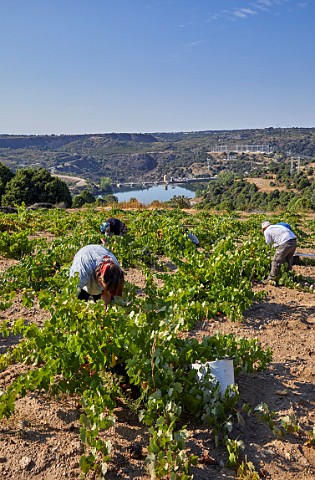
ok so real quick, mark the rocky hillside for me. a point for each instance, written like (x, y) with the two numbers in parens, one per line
(129, 157)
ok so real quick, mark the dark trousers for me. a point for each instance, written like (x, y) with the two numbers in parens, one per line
(84, 295)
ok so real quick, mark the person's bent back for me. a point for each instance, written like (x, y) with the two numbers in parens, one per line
(113, 226)
(100, 274)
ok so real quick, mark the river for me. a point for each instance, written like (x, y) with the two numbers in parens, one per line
(162, 193)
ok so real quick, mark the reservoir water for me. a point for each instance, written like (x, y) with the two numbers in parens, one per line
(162, 193)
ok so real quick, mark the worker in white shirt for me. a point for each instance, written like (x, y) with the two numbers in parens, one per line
(284, 241)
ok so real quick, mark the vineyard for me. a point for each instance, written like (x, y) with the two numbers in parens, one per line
(91, 394)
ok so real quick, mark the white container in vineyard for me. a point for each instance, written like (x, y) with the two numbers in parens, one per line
(222, 370)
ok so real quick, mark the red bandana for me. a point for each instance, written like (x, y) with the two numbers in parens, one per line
(104, 266)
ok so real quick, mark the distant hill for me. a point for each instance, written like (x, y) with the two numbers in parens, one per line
(149, 156)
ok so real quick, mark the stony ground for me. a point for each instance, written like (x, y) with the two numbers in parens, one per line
(41, 441)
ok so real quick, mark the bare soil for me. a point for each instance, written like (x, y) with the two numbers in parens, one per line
(263, 184)
(41, 441)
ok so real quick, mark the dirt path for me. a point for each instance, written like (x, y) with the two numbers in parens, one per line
(79, 182)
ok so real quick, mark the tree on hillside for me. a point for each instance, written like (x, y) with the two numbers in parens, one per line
(106, 184)
(110, 199)
(5, 176)
(31, 185)
(303, 183)
(83, 198)
(226, 177)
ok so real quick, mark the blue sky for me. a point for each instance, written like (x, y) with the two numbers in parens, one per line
(99, 66)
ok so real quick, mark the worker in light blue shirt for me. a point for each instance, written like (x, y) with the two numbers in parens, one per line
(99, 273)
(191, 236)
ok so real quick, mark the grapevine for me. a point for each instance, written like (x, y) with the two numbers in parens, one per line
(83, 352)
